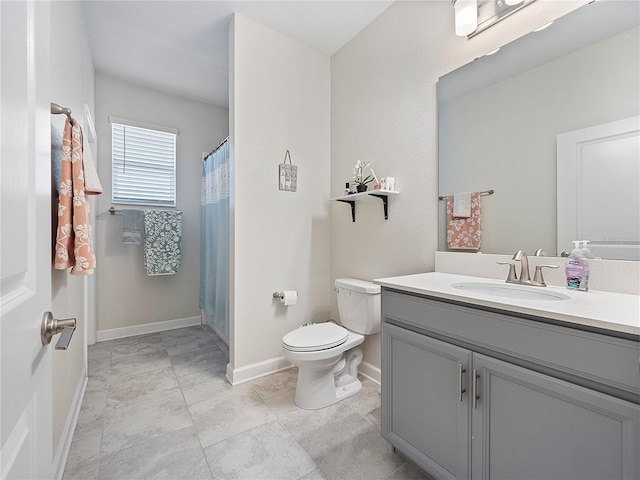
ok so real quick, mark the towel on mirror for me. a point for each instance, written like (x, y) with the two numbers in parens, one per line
(462, 205)
(73, 235)
(132, 226)
(162, 241)
(465, 233)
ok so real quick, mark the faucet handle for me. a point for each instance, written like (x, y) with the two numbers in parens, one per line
(512, 277)
(538, 280)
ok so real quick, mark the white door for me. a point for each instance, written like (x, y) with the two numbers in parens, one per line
(25, 241)
(599, 189)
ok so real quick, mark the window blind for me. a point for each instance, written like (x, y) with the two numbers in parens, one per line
(143, 166)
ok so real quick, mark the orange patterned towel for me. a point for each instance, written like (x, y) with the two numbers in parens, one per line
(73, 236)
(464, 233)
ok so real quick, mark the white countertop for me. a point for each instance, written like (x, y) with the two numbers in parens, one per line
(617, 312)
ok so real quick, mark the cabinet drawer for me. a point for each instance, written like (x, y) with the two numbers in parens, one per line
(598, 358)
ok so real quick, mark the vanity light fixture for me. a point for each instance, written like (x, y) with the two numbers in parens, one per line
(466, 16)
(475, 16)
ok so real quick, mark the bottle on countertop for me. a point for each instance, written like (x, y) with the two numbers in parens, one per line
(577, 269)
(586, 253)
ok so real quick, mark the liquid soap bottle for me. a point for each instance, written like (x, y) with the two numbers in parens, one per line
(577, 269)
(586, 253)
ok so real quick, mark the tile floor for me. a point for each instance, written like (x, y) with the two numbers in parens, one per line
(159, 406)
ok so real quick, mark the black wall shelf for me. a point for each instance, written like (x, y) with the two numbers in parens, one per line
(354, 197)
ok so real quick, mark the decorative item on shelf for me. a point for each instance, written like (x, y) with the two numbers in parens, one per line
(388, 183)
(359, 180)
(377, 184)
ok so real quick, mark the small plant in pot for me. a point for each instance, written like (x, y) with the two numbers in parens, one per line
(359, 180)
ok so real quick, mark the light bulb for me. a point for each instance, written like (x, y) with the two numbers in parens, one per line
(466, 14)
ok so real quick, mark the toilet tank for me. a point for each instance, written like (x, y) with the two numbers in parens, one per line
(359, 305)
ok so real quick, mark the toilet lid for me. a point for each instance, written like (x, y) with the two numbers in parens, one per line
(318, 336)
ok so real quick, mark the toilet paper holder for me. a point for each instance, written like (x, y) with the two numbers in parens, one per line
(279, 295)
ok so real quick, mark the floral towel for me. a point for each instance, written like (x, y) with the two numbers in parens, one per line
(464, 233)
(73, 235)
(162, 243)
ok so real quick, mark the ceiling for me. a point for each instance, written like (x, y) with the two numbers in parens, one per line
(182, 47)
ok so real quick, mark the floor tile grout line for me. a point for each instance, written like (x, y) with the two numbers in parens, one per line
(104, 417)
(397, 469)
(202, 448)
(101, 455)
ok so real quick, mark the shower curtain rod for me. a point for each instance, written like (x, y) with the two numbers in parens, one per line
(57, 110)
(215, 149)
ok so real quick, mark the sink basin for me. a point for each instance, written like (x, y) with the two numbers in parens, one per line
(508, 290)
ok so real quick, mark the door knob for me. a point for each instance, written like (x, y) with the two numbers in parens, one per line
(52, 326)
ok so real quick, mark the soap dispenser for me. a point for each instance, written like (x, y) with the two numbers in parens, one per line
(586, 253)
(577, 269)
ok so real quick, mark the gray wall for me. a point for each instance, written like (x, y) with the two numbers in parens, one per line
(126, 296)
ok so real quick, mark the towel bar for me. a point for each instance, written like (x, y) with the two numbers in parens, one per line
(483, 193)
(58, 110)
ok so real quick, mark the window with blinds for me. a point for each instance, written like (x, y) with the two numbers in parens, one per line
(143, 166)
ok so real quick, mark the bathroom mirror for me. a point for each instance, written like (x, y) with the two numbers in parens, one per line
(499, 118)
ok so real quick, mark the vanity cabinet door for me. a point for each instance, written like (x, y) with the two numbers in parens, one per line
(424, 414)
(527, 425)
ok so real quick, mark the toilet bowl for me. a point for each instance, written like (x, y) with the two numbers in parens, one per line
(328, 355)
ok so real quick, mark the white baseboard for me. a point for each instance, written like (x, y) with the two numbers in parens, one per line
(113, 333)
(370, 371)
(64, 446)
(256, 370)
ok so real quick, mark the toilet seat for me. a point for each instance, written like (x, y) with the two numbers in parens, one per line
(319, 336)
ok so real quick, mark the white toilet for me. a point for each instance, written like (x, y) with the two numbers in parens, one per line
(327, 355)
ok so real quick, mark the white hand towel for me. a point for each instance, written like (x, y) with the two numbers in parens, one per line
(92, 184)
(462, 205)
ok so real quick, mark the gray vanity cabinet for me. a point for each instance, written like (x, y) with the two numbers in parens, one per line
(529, 425)
(525, 421)
(423, 413)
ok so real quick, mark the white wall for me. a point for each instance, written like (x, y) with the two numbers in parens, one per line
(126, 296)
(384, 110)
(72, 85)
(279, 100)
